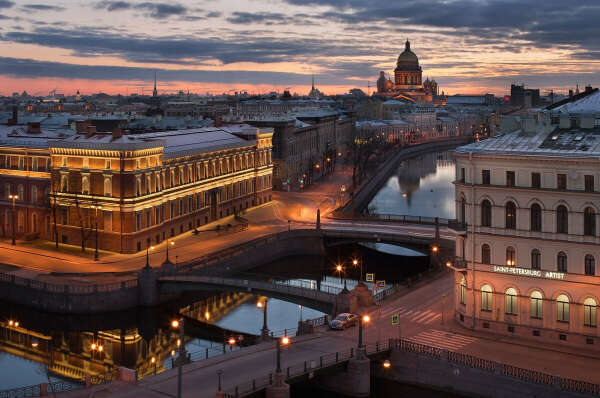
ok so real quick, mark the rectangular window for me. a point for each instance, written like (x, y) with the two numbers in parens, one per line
(589, 183)
(562, 311)
(8, 163)
(510, 178)
(485, 177)
(536, 180)
(138, 220)
(486, 301)
(148, 218)
(181, 208)
(561, 181)
(107, 164)
(21, 163)
(536, 307)
(590, 315)
(511, 304)
(462, 174)
(463, 294)
(172, 209)
(48, 164)
(34, 164)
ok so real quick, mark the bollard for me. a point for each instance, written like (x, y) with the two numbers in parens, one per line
(336, 357)
(207, 353)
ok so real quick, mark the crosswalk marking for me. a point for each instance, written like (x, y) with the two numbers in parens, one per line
(425, 317)
(441, 339)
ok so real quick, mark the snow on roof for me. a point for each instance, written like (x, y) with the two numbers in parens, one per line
(547, 143)
(588, 104)
(466, 99)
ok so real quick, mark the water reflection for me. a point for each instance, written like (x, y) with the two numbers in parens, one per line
(421, 186)
(68, 346)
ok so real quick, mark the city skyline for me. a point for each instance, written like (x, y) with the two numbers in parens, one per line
(261, 46)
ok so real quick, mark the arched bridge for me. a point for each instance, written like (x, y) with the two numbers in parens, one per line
(321, 297)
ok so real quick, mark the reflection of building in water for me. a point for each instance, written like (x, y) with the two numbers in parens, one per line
(216, 307)
(412, 171)
(76, 354)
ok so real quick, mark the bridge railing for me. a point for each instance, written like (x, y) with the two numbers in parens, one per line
(304, 368)
(51, 287)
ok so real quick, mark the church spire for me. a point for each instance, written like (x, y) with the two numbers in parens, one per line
(313, 82)
(155, 91)
(407, 45)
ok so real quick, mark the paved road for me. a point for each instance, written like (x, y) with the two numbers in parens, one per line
(421, 321)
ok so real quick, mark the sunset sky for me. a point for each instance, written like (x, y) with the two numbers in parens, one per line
(215, 46)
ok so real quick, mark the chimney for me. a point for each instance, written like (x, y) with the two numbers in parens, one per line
(81, 126)
(117, 133)
(91, 130)
(587, 122)
(565, 122)
(570, 93)
(34, 128)
(15, 116)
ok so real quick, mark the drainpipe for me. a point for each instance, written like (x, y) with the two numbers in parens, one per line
(473, 215)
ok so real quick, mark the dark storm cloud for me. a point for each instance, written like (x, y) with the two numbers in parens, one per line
(545, 24)
(151, 9)
(27, 68)
(241, 48)
(269, 18)
(113, 5)
(42, 7)
(214, 14)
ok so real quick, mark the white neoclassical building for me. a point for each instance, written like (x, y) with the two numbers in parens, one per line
(526, 265)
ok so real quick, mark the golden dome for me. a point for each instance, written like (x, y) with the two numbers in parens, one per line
(407, 60)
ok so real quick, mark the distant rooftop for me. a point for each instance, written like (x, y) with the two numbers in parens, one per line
(588, 104)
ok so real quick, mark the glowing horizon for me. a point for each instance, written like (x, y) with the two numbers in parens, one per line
(469, 47)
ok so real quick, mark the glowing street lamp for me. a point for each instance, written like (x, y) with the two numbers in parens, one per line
(340, 269)
(435, 249)
(387, 364)
(365, 319)
(13, 198)
(282, 341)
(178, 324)
(264, 332)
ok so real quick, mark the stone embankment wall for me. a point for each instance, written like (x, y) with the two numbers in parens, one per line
(367, 191)
(464, 374)
(72, 299)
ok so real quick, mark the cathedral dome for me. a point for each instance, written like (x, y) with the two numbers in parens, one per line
(407, 60)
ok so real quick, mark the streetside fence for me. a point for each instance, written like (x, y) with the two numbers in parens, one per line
(332, 359)
(48, 389)
(528, 375)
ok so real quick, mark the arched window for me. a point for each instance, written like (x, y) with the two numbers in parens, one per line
(85, 185)
(486, 298)
(21, 193)
(510, 216)
(535, 216)
(589, 222)
(590, 312)
(562, 220)
(511, 301)
(590, 265)
(562, 308)
(486, 213)
(561, 262)
(536, 304)
(463, 291)
(510, 256)
(485, 254)
(536, 259)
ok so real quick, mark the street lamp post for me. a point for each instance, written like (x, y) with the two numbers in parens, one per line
(282, 341)
(14, 232)
(264, 332)
(178, 324)
(219, 373)
(340, 270)
(356, 262)
(363, 319)
(96, 218)
(148, 256)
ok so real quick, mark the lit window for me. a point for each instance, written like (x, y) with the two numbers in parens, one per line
(536, 304)
(511, 216)
(562, 308)
(486, 298)
(511, 301)
(510, 256)
(590, 312)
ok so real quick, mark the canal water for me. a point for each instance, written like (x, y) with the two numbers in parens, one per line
(420, 186)
(48, 345)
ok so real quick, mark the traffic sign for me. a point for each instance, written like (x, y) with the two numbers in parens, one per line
(370, 277)
(395, 319)
(380, 284)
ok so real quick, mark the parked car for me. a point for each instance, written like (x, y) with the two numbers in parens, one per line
(343, 321)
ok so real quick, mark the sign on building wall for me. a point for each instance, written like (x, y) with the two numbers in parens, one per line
(529, 272)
